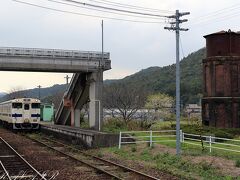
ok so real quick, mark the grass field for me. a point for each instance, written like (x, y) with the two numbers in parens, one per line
(196, 162)
(166, 161)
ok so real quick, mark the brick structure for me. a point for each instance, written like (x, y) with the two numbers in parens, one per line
(221, 75)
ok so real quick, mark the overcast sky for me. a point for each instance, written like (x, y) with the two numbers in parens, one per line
(133, 46)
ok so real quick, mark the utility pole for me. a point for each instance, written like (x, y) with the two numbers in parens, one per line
(175, 27)
(67, 77)
(102, 42)
(39, 89)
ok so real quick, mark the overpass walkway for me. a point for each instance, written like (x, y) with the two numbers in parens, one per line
(86, 84)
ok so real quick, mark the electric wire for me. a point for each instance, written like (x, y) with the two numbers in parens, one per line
(138, 16)
(115, 9)
(131, 6)
(220, 11)
(221, 14)
(88, 15)
(183, 55)
(216, 19)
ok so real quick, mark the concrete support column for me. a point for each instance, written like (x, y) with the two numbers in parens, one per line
(95, 104)
(72, 116)
(77, 113)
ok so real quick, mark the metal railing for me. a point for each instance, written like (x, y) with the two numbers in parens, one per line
(59, 53)
(211, 142)
(133, 137)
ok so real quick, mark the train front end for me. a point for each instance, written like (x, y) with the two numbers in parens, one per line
(26, 113)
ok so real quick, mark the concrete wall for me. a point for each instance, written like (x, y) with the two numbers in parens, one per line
(84, 138)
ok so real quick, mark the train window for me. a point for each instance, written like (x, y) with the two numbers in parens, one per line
(26, 106)
(35, 105)
(48, 107)
(17, 105)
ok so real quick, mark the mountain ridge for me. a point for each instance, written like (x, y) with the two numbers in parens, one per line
(162, 79)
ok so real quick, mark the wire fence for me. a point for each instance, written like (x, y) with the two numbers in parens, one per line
(210, 142)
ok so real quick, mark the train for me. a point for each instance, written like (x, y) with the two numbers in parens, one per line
(20, 114)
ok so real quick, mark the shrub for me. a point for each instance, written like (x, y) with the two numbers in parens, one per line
(134, 149)
(99, 154)
(237, 163)
(114, 125)
(205, 166)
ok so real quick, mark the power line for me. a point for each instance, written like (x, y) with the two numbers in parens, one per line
(54, 1)
(67, 78)
(220, 11)
(39, 91)
(175, 27)
(216, 19)
(180, 40)
(130, 6)
(115, 9)
(224, 14)
(88, 15)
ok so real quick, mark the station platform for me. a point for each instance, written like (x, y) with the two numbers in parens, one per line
(83, 137)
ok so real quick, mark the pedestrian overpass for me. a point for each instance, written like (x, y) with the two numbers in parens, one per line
(86, 84)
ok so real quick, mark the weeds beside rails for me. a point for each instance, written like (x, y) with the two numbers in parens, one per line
(167, 162)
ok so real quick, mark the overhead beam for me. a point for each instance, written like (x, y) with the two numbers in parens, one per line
(52, 60)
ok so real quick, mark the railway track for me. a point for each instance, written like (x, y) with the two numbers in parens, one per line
(14, 166)
(112, 169)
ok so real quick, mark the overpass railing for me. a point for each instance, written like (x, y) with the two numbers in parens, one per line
(54, 53)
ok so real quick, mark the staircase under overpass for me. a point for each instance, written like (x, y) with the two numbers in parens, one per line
(75, 97)
(86, 84)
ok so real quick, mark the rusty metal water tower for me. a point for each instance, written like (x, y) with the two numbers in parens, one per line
(221, 75)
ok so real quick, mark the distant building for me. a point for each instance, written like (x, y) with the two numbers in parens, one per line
(47, 112)
(193, 110)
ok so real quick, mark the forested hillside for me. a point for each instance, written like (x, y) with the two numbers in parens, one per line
(162, 79)
(2, 94)
(34, 93)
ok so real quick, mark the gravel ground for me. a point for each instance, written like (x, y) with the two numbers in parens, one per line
(45, 160)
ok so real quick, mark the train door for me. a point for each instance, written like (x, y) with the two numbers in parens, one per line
(26, 113)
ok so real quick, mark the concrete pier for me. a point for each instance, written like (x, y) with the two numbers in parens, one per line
(95, 104)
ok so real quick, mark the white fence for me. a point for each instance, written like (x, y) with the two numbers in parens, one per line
(133, 137)
(211, 142)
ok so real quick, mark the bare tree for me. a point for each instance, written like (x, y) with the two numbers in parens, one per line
(55, 99)
(16, 92)
(123, 101)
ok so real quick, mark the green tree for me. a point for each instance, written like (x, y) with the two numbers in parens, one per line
(160, 105)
